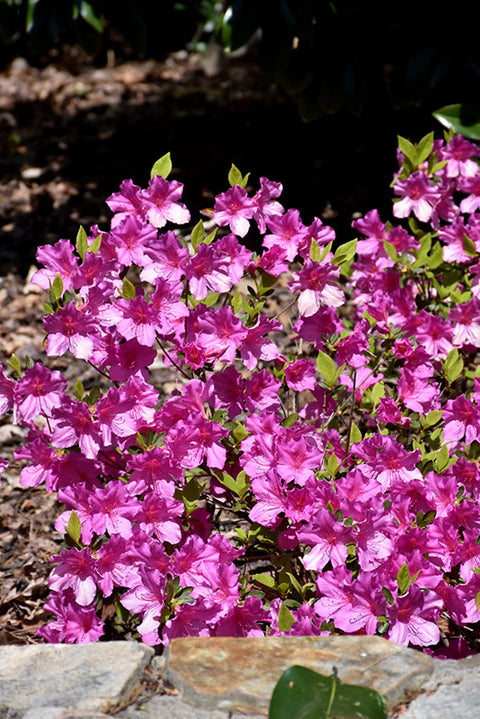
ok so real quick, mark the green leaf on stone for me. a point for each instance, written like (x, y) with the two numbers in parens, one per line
(162, 167)
(305, 694)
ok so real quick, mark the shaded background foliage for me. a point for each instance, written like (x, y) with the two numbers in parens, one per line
(341, 79)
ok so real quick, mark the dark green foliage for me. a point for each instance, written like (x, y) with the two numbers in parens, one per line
(305, 694)
(333, 54)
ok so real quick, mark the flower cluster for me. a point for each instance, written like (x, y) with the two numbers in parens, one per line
(316, 469)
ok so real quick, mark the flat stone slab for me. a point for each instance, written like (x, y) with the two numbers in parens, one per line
(95, 677)
(220, 673)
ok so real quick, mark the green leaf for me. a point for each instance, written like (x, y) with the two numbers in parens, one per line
(453, 365)
(95, 246)
(96, 21)
(285, 618)
(14, 363)
(425, 147)
(315, 251)
(301, 693)
(128, 289)
(345, 253)
(290, 420)
(355, 434)
(57, 287)
(408, 149)
(326, 366)
(162, 167)
(78, 390)
(432, 418)
(442, 459)
(469, 246)
(403, 579)
(391, 251)
(266, 579)
(74, 527)
(82, 242)
(235, 176)
(209, 238)
(462, 119)
(198, 234)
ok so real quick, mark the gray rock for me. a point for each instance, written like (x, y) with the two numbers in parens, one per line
(95, 677)
(240, 674)
(452, 691)
(172, 707)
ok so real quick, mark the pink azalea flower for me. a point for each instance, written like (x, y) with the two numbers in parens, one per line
(76, 570)
(207, 271)
(220, 333)
(462, 419)
(130, 237)
(300, 375)
(74, 623)
(407, 625)
(255, 346)
(70, 329)
(166, 258)
(266, 204)
(126, 203)
(471, 187)
(234, 208)
(286, 231)
(328, 538)
(161, 202)
(317, 283)
(56, 259)
(459, 152)
(418, 196)
(39, 391)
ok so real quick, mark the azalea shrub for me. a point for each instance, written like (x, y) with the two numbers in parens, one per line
(315, 469)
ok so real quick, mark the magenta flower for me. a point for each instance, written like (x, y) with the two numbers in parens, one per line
(39, 391)
(418, 196)
(288, 232)
(318, 286)
(166, 258)
(126, 203)
(407, 625)
(70, 329)
(75, 570)
(161, 202)
(207, 270)
(56, 259)
(234, 208)
(459, 152)
(131, 236)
